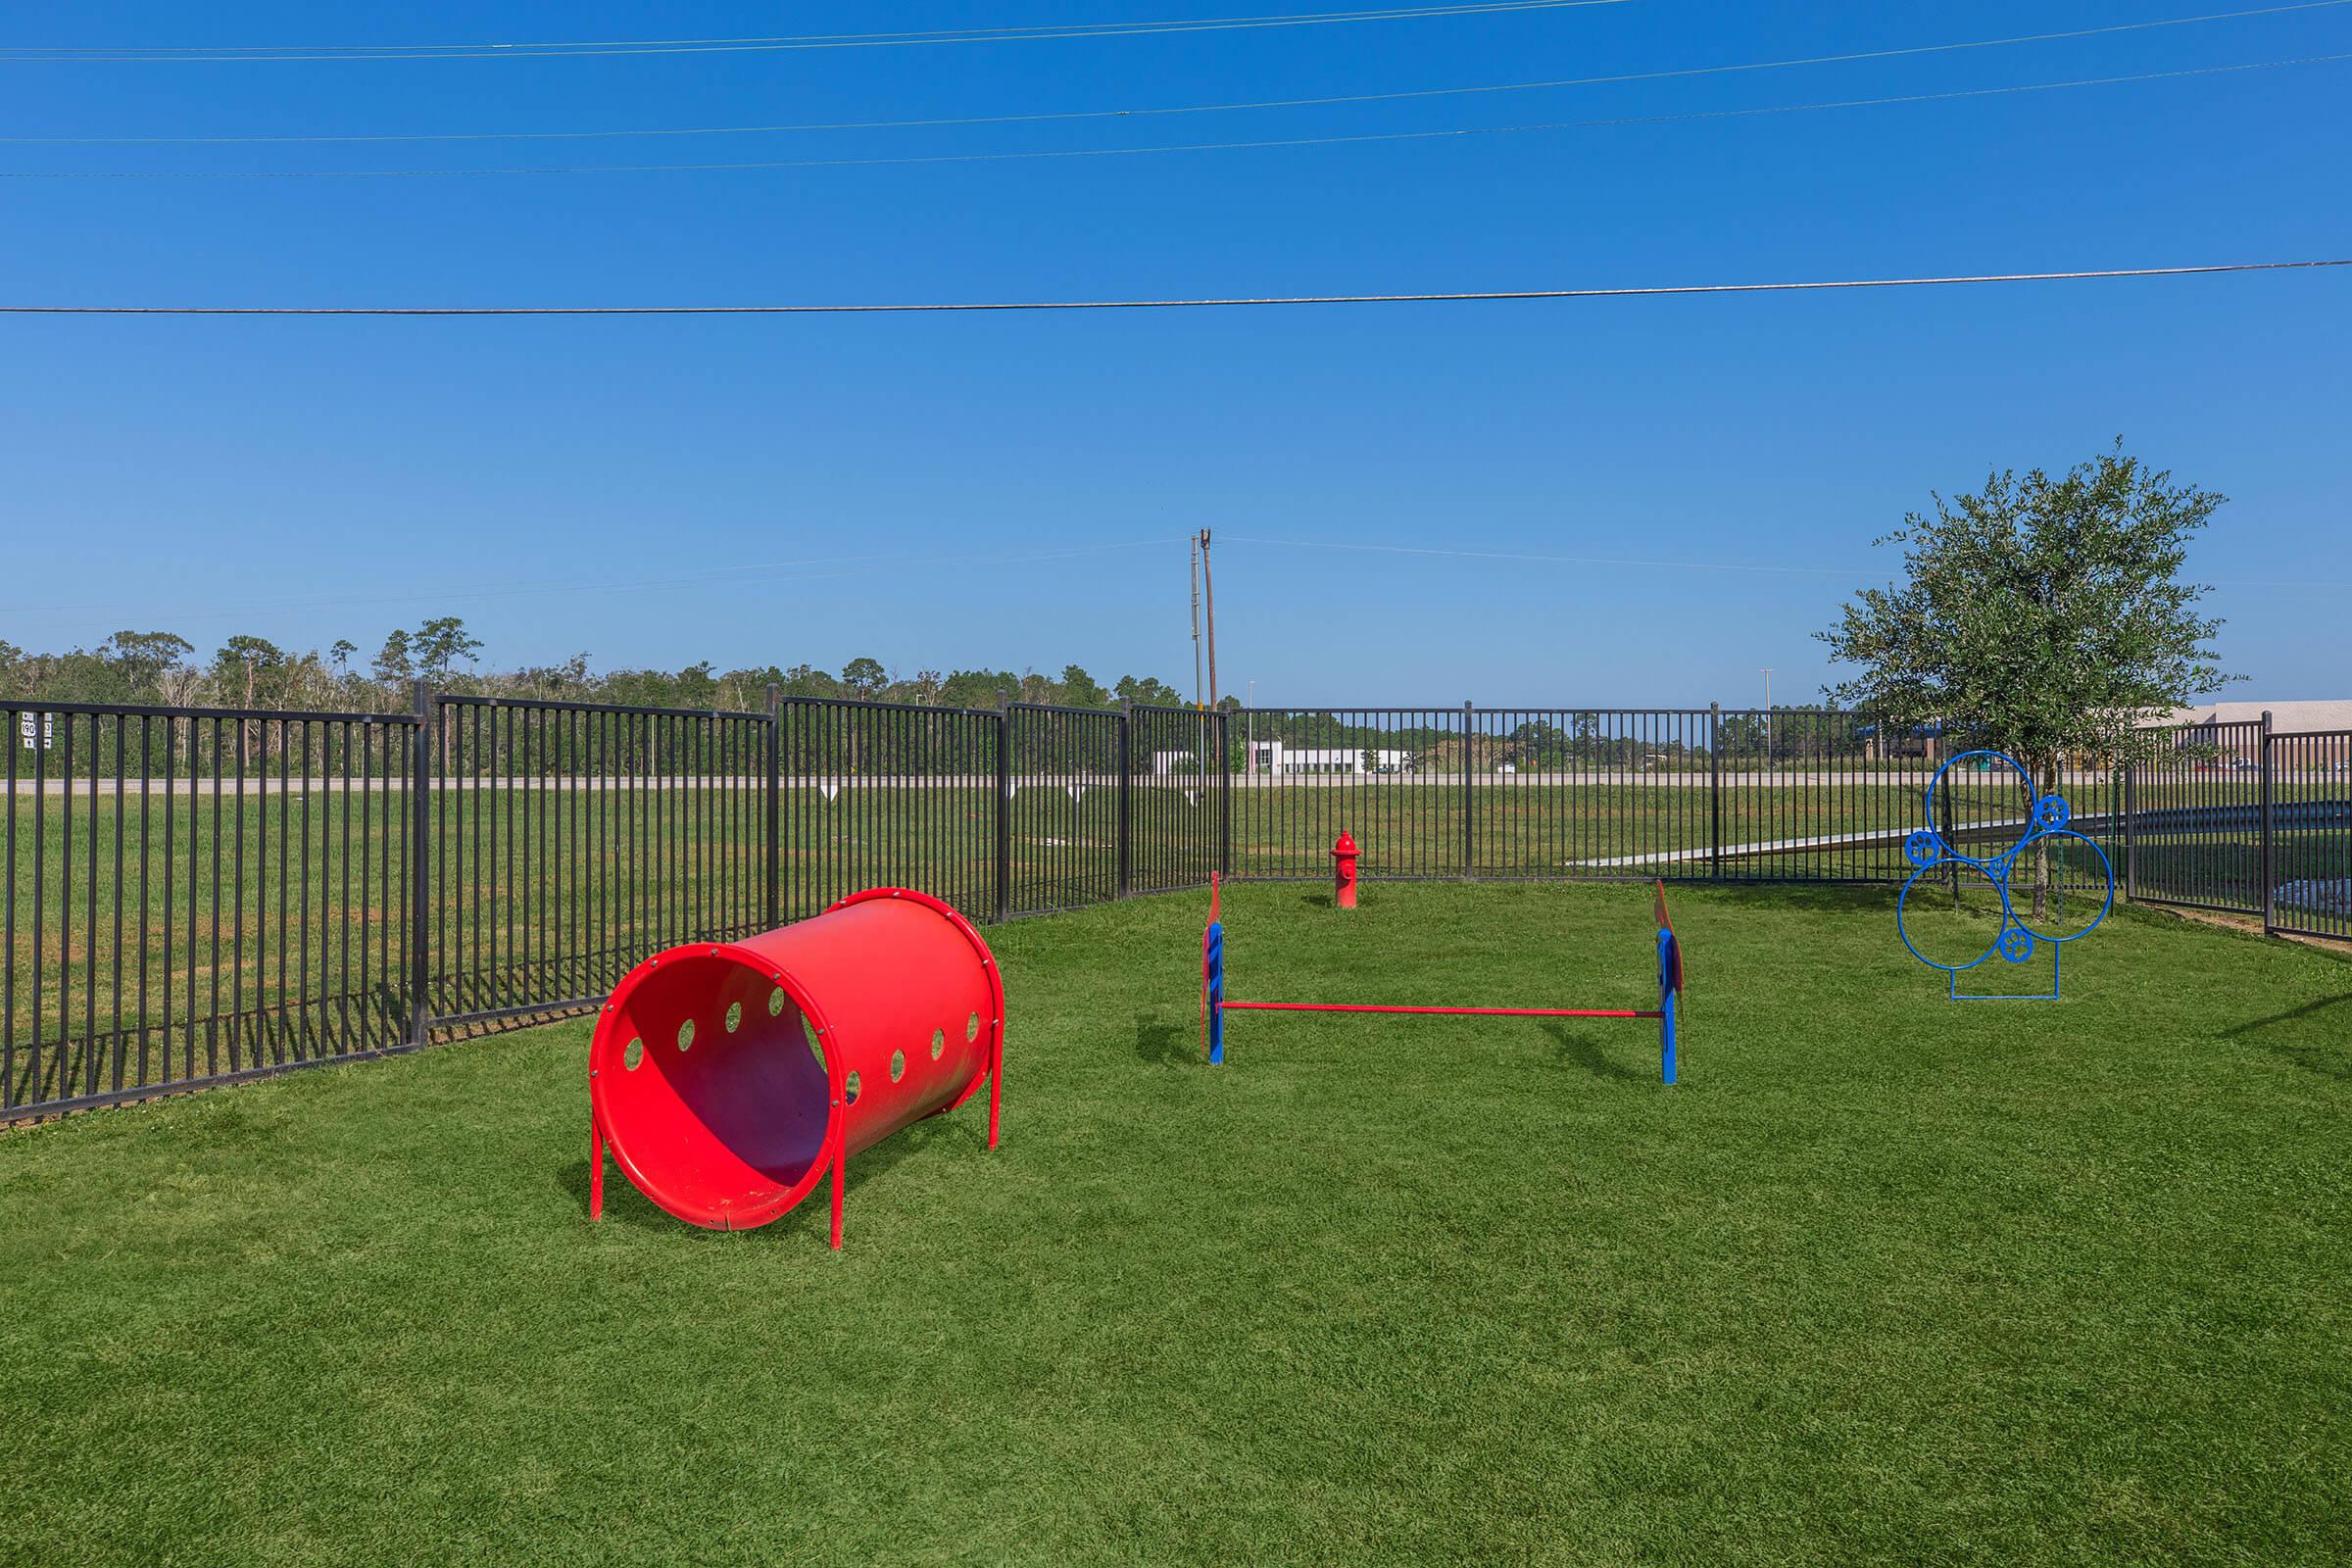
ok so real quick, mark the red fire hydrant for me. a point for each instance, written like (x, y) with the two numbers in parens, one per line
(1342, 871)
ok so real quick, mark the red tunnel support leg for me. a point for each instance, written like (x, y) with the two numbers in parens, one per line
(840, 1172)
(995, 1094)
(596, 1170)
(730, 1078)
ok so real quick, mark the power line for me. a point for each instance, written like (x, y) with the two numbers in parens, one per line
(1519, 559)
(1359, 140)
(759, 572)
(951, 307)
(606, 48)
(1327, 101)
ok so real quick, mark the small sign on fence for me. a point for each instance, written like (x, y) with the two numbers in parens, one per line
(44, 730)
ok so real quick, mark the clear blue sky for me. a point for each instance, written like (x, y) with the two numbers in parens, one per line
(310, 480)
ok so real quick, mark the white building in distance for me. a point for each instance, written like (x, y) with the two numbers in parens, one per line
(1275, 757)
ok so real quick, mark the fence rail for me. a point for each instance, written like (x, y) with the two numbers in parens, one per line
(199, 896)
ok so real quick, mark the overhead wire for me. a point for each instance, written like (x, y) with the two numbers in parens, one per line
(592, 49)
(757, 572)
(1364, 138)
(1518, 558)
(1522, 558)
(951, 307)
(1331, 100)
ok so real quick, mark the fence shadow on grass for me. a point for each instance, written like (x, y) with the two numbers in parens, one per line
(2328, 1061)
(1812, 898)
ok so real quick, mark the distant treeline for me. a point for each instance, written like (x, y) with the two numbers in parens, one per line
(162, 668)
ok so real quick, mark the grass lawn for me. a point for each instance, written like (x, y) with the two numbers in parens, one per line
(1885, 1279)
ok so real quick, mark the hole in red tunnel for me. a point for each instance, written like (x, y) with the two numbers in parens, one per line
(734, 1125)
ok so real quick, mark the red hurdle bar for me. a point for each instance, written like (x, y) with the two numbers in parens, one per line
(1214, 1006)
(1465, 1012)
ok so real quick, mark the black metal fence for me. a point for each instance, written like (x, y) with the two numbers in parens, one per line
(569, 840)
(1591, 793)
(874, 795)
(2307, 833)
(2245, 821)
(199, 896)
(1178, 803)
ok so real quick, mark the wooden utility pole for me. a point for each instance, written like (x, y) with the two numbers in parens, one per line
(1208, 594)
(1192, 569)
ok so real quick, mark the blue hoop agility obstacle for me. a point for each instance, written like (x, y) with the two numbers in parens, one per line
(1214, 1006)
(2016, 937)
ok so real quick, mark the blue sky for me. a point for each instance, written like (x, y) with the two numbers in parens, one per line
(657, 491)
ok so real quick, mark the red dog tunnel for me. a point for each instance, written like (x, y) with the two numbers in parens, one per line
(729, 1077)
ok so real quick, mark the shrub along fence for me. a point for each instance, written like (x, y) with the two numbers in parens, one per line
(199, 896)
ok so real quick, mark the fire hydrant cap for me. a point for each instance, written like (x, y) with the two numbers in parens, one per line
(1346, 849)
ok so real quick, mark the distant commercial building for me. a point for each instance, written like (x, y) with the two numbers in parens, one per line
(1887, 742)
(2234, 733)
(1275, 757)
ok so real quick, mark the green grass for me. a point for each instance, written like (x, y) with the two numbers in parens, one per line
(256, 909)
(1885, 1279)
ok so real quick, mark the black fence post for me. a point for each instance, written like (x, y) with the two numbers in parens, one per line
(772, 790)
(1126, 799)
(420, 784)
(1469, 856)
(1004, 867)
(1223, 732)
(2131, 828)
(1715, 792)
(2269, 883)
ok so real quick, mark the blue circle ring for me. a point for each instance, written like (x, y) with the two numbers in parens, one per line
(1990, 948)
(2106, 905)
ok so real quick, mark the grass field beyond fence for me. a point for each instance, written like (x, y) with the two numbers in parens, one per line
(1885, 1279)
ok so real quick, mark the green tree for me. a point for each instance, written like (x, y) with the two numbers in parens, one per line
(2042, 616)
(244, 668)
(440, 644)
(1538, 743)
(395, 662)
(696, 686)
(143, 658)
(1081, 689)
(1147, 691)
(806, 680)
(978, 688)
(864, 678)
